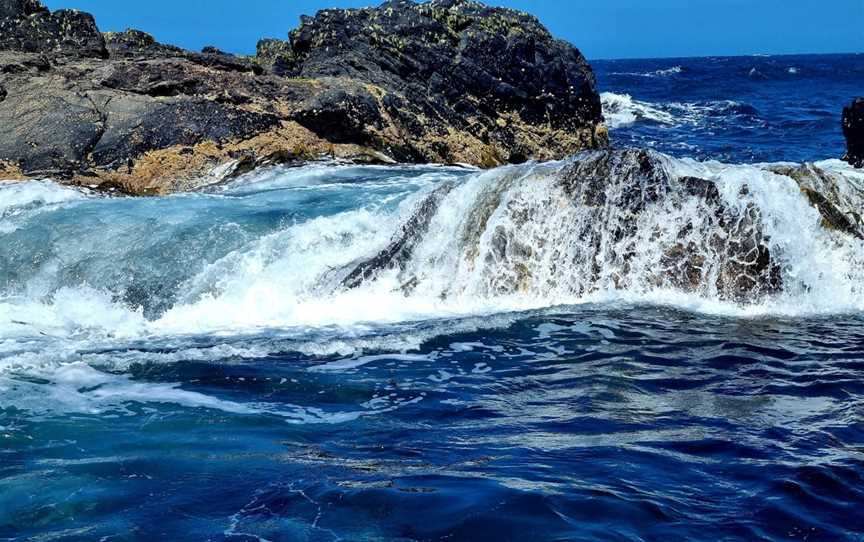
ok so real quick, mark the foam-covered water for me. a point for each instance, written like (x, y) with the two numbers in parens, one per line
(195, 367)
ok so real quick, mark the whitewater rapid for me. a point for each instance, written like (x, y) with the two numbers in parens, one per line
(91, 285)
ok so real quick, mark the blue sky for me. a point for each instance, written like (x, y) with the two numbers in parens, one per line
(601, 28)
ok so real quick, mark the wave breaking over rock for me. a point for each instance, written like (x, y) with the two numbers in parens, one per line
(409, 244)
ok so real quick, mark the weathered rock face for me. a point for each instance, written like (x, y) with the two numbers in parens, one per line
(495, 74)
(443, 81)
(26, 25)
(853, 129)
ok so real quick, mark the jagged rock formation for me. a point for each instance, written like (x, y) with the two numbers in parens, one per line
(443, 81)
(853, 129)
(489, 74)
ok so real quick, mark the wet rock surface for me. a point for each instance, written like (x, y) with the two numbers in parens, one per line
(444, 81)
(836, 201)
(619, 219)
(620, 186)
(853, 129)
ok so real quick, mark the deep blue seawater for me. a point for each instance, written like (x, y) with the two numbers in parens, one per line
(733, 109)
(182, 368)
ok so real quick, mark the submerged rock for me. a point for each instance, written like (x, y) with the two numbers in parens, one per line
(607, 220)
(401, 249)
(853, 130)
(838, 203)
(441, 81)
(619, 187)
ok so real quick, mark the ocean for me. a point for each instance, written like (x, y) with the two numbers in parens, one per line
(190, 367)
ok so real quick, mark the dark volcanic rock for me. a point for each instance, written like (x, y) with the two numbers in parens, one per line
(340, 115)
(488, 71)
(853, 129)
(25, 25)
(136, 44)
(18, 9)
(48, 131)
(442, 81)
(276, 56)
(133, 128)
(494, 59)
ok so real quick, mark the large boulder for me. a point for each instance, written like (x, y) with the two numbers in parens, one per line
(494, 73)
(853, 129)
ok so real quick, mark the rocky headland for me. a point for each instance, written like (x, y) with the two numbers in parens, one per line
(445, 81)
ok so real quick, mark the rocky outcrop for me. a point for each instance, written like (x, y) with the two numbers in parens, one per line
(853, 129)
(446, 81)
(495, 75)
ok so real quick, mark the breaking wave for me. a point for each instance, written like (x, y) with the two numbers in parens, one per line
(90, 285)
(622, 110)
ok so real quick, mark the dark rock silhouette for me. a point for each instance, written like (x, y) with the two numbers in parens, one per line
(853, 129)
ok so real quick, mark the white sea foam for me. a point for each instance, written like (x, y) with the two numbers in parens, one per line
(65, 347)
(19, 200)
(622, 110)
(674, 70)
(276, 281)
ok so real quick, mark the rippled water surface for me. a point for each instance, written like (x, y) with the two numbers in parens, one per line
(733, 109)
(603, 423)
(192, 368)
